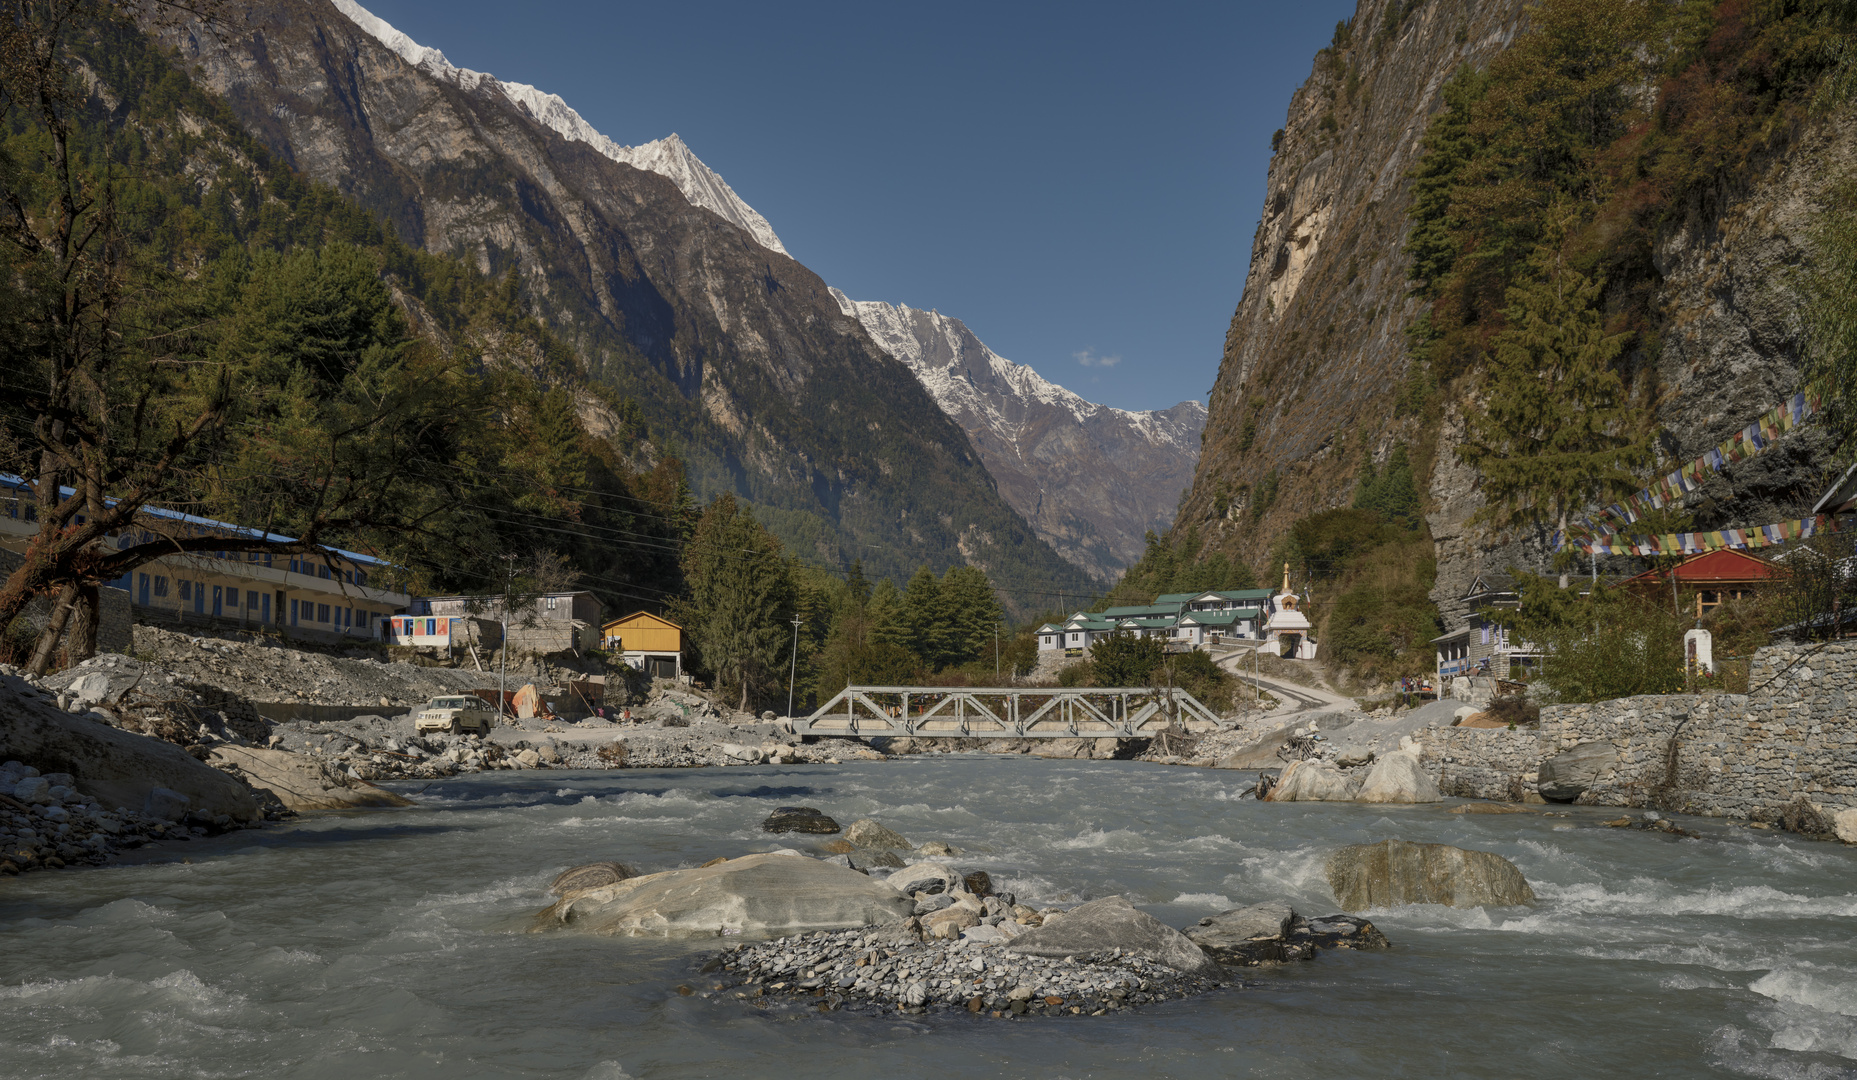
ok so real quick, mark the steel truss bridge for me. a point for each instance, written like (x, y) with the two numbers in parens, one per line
(925, 712)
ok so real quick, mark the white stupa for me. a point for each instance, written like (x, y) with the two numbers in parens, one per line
(1288, 628)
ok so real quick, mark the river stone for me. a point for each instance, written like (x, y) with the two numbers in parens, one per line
(784, 893)
(931, 878)
(868, 859)
(804, 819)
(301, 782)
(1312, 781)
(869, 833)
(1565, 777)
(1398, 778)
(1113, 923)
(1261, 754)
(1394, 872)
(980, 883)
(588, 876)
(1239, 926)
(1844, 824)
(117, 767)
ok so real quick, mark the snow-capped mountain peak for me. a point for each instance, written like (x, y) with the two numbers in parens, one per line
(669, 157)
(1091, 479)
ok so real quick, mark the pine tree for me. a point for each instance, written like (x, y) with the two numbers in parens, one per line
(974, 612)
(884, 617)
(741, 594)
(1557, 429)
(925, 612)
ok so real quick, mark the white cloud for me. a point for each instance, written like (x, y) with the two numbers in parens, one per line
(1088, 358)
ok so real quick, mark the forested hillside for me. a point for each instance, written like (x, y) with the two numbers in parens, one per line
(740, 361)
(258, 349)
(1542, 253)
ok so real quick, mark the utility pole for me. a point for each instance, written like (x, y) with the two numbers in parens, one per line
(502, 677)
(995, 650)
(794, 670)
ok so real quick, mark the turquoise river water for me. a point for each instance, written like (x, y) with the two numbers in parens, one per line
(392, 944)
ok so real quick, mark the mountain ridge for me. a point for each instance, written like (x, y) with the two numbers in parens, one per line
(743, 365)
(1091, 479)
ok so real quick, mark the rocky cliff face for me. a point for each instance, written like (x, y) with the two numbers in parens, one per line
(1092, 480)
(741, 358)
(1317, 350)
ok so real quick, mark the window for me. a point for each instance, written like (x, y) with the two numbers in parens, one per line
(361, 578)
(322, 613)
(161, 585)
(323, 573)
(551, 603)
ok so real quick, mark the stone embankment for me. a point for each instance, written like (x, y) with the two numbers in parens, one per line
(1791, 741)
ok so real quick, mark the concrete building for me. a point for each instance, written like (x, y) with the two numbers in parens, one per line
(339, 595)
(1195, 620)
(548, 623)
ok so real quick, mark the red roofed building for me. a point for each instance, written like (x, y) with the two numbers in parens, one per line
(1712, 578)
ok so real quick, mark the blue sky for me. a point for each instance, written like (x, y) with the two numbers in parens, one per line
(1079, 183)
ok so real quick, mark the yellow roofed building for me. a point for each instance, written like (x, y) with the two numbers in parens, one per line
(647, 642)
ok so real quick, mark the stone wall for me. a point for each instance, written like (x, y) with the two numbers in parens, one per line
(114, 617)
(1738, 755)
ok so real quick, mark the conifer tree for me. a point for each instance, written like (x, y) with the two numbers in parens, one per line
(1557, 429)
(973, 611)
(741, 594)
(884, 616)
(931, 632)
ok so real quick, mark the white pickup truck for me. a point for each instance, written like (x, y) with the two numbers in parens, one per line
(456, 715)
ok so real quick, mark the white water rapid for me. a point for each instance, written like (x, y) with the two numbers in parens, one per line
(392, 943)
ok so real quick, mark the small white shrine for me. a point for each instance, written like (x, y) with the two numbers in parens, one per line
(1288, 629)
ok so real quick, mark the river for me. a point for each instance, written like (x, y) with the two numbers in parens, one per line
(392, 944)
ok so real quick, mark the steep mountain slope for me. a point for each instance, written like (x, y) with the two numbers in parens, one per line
(741, 359)
(1318, 371)
(1092, 480)
(667, 157)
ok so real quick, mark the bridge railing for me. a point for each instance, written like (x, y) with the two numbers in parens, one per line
(951, 712)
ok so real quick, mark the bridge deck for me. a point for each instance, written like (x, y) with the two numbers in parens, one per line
(1003, 712)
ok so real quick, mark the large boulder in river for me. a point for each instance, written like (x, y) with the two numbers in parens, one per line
(1566, 776)
(301, 782)
(926, 877)
(1398, 778)
(1395, 872)
(1113, 923)
(1273, 934)
(871, 833)
(1261, 754)
(783, 892)
(1312, 781)
(802, 819)
(119, 768)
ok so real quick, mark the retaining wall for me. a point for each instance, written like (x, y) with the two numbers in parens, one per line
(1737, 755)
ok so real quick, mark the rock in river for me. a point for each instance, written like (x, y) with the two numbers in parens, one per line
(1565, 777)
(803, 819)
(926, 877)
(1113, 923)
(301, 782)
(870, 833)
(1273, 934)
(1399, 778)
(1312, 781)
(783, 891)
(1394, 872)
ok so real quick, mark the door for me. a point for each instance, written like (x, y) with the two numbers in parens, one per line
(199, 598)
(141, 589)
(218, 600)
(264, 608)
(293, 612)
